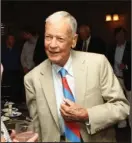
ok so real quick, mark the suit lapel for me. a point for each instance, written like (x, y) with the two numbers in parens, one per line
(125, 55)
(79, 45)
(79, 71)
(48, 89)
(112, 54)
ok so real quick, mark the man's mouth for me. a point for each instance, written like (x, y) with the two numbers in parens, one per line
(51, 52)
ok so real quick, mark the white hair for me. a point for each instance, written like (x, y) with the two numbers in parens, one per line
(63, 15)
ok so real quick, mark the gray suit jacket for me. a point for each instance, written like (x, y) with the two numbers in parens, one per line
(97, 89)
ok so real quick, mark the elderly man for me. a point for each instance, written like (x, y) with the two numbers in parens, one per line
(73, 96)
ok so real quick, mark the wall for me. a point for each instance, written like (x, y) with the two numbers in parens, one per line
(93, 13)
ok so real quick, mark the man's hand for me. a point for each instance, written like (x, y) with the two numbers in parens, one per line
(73, 112)
(2, 139)
(122, 66)
(33, 139)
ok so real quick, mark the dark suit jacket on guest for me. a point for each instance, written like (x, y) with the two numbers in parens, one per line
(96, 45)
(126, 60)
(39, 52)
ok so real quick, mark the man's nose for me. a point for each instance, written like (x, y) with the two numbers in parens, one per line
(53, 43)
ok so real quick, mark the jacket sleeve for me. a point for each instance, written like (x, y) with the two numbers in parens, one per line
(23, 57)
(31, 104)
(115, 107)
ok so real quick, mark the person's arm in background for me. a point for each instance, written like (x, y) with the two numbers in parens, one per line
(23, 59)
(1, 70)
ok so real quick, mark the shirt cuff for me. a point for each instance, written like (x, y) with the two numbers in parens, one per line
(87, 123)
(88, 126)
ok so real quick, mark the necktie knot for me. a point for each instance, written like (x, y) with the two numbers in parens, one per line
(63, 72)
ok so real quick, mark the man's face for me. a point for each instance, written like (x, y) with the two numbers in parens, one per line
(84, 33)
(10, 40)
(26, 36)
(120, 37)
(58, 41)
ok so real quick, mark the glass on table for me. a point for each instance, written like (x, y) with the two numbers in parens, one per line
(23, 132)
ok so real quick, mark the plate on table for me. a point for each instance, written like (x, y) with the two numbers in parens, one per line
(4, 118)
(8, 103)
(13, 109)
(14, 114)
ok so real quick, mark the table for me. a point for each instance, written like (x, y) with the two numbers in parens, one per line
(10, 124)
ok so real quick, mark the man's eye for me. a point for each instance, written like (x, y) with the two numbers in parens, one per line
(48, 37)
(61, 39)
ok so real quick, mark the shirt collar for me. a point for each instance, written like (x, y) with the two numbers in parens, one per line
(33, 40)
(67, 66)
(9, 47)
(88, 39)
(123, 45)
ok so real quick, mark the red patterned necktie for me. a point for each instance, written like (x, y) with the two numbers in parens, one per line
(72, 130)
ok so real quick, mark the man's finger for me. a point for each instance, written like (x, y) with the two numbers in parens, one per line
(68, 102)
(68, 116)
(63, 113)
(65, 116)
(65, 107)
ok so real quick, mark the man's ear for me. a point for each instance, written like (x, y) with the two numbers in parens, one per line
(74, 42)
